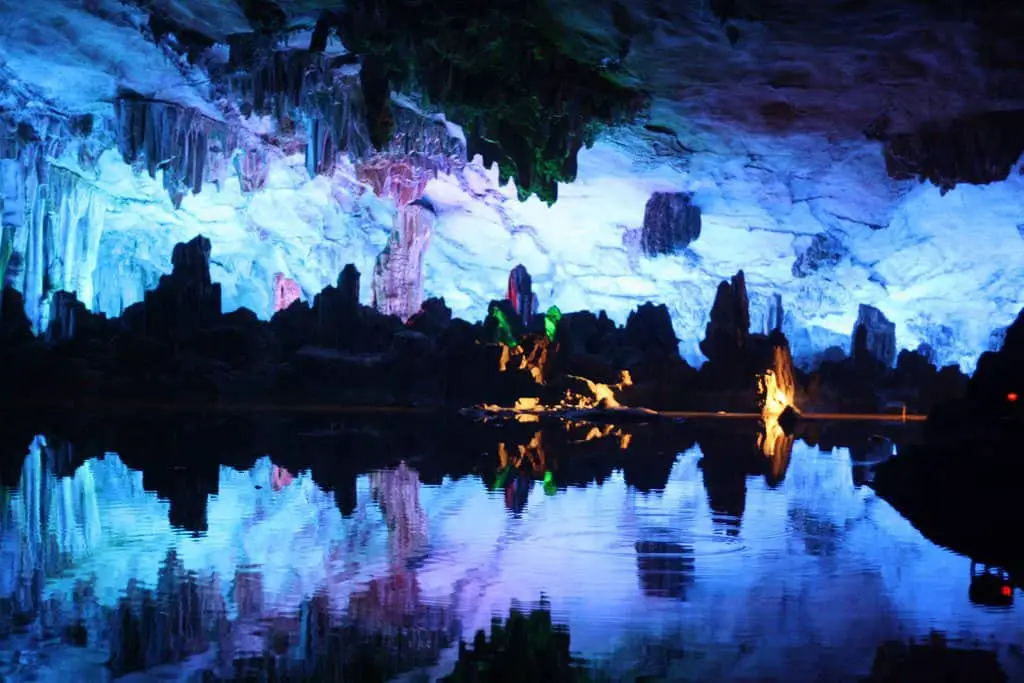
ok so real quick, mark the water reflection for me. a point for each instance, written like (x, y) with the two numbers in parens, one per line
(673, 554)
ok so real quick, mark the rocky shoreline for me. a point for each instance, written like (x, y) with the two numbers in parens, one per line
(177, 346)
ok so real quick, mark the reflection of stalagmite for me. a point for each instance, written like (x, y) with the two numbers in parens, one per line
(393, 601)
(601, 395)
(397, 491)
(398, 273)
(777, 446)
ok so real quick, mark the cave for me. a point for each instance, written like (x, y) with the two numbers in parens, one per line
(581, 241)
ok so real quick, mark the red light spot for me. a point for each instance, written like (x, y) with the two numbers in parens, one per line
(1007, 591)
(1012, 397)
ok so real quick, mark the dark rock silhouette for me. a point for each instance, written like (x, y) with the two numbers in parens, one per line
(874, 335)
(177, 345)
(727, 332)
(70, 318)
(934, 660)
(978, 149)
(962, 486)
(185, 302)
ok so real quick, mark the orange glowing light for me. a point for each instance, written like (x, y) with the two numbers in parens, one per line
(1007, 591)
(1012, 397)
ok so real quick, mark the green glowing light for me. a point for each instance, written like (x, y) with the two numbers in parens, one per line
(504, 326)
(551, 319)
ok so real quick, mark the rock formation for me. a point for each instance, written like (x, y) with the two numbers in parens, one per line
(187, 300)
(520, 295)
(185, 145)
(67, 315)
(874, 336)
(286, 292)
(337, 310)
(728, 329)
(398, 273)
(671, 223)
(649, 328)
(977, 149)
(177, 343)
(1000, 374)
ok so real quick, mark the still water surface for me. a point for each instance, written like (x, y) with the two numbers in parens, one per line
(803, 581)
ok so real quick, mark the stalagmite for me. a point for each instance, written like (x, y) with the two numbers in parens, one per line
(874, 336)
(520, 294)
(398, 273)
(777, 393)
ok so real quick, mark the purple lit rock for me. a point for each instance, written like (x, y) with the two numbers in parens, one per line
(671, 223)
(398, 273)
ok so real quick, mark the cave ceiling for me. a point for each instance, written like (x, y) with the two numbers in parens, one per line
(842, 152)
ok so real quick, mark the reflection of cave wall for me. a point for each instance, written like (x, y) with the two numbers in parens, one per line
(175, 620)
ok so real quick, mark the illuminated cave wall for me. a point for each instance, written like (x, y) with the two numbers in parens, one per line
(806, 215)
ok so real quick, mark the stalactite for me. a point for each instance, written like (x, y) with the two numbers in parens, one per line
(420, 148)
(252, 165)
(52, 223)
(189, 147)
(394, 177)
(398, 273)
(311, 91)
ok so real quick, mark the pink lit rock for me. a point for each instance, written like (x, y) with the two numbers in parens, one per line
(520, 293)
(280, 478)
(398, 178)
(286, 292)
(398, 273)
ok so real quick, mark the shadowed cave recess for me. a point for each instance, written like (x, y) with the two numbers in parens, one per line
(858, 162)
